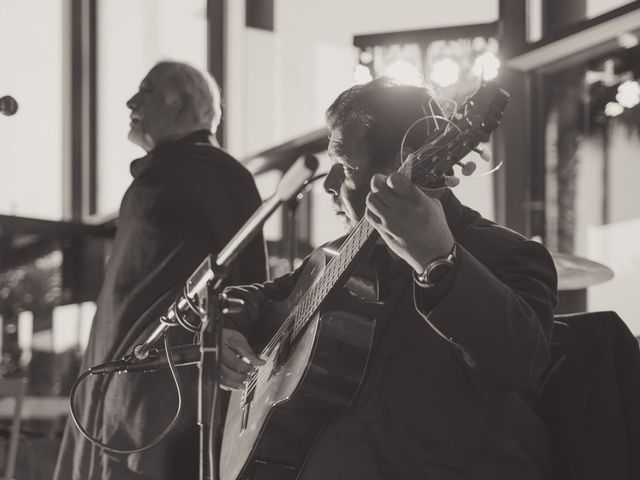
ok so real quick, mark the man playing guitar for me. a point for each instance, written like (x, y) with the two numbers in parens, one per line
(461, 337)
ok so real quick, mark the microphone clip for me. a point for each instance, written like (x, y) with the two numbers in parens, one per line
(128, 363)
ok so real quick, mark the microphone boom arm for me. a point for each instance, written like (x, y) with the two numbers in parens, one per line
(211, 273)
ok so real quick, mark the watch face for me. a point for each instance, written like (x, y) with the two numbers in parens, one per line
(438, 272)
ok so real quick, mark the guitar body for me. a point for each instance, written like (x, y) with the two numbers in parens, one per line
(311, 382)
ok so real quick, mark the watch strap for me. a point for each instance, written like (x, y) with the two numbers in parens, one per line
(449, 260)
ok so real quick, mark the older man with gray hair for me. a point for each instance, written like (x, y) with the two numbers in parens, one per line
(186, 200)
(173, 100)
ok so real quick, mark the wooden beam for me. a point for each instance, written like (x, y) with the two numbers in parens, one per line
(49, 228)
(216, 36)
(426, 36)
(80, 119)
(512, 140)
(259, 14)
(591, 39)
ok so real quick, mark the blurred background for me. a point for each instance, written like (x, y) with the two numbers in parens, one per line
(568, 143)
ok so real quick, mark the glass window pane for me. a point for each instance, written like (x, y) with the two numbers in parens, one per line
(31, 49)
(132, 36)
(591, 143)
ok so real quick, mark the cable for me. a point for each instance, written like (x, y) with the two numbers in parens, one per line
(98, 443)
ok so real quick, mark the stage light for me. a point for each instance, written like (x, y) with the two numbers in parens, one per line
(628, 94)
(445, 72)
(486, 66)
(362, 74)
(366, 56)
(627, 40)
(613, 109)
(404, 72)
(607, 76)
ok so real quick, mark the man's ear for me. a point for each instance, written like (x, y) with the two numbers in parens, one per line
(175, 101)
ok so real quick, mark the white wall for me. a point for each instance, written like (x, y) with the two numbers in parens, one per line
(615, 244)
(132, 36)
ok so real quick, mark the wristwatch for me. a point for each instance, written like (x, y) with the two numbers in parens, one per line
(437, 269)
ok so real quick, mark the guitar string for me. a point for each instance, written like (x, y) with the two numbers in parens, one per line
(305, 300)
(300, 315)
(295, 322)
(312, 298)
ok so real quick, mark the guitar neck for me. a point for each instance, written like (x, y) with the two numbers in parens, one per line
(357, 244)
(429, 164)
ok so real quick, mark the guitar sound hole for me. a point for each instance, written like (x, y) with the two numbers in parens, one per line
(282, 357)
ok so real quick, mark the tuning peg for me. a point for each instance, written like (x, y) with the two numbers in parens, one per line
(451, 181)
(486, 156)
(468, 168)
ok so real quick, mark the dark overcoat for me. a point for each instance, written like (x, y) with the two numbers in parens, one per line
(186, 200)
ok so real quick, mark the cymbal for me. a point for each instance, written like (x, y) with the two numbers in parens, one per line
(575, 273)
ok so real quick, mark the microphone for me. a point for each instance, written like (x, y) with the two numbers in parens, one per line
(211, 274)
(156, 359)
(8, 105)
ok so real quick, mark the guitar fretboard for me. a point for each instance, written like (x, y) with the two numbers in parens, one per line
(331, 276)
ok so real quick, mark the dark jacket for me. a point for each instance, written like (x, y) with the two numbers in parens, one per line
(591, 398)
(449, 390)
(186, 200)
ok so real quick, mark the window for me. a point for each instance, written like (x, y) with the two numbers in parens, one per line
(31, 155)
(591, 144)
(132, 36)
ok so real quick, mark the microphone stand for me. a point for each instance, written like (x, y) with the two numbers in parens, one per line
(201, 296)
(211, 273)
(209, 411)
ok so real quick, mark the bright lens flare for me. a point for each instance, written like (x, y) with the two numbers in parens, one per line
(445, 72)
(486, 66)
(613, 109)
(404, 72)
(628, 40)
(362, 74)
(628, 94)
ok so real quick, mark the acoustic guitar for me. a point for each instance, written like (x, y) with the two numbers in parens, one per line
(316, 360)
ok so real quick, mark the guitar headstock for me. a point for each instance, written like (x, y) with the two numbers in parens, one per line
(472, 123)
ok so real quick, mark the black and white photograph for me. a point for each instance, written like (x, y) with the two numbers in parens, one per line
(319, 240)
